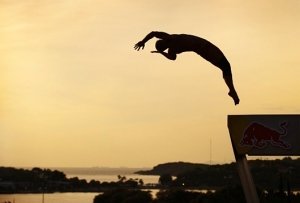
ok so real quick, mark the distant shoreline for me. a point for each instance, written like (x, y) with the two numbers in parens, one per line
(99, 170)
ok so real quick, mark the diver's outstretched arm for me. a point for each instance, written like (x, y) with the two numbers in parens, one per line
(159, 35)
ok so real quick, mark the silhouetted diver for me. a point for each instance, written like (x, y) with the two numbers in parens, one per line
(178, 43)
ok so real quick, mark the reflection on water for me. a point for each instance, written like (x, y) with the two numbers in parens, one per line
(55, 197)
(75, 197)
(49, 198)
(61, 197)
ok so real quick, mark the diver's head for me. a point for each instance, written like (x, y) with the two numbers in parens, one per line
(161, 45)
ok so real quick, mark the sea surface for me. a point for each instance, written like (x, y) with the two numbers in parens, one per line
(107, 175)
(49, 198)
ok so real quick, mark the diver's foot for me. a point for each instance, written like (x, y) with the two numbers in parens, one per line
(234, 97)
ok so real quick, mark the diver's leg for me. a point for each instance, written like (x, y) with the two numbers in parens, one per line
(232, 93)
(217, 58)
(226, 69)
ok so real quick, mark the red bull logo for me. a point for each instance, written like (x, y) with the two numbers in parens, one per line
(259, 136)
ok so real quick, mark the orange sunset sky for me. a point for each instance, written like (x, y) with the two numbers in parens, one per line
(74, 92)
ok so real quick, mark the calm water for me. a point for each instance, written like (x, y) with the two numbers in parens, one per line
(75, 197)
(49, 198)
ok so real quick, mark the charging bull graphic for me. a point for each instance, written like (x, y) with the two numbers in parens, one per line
(259, 136)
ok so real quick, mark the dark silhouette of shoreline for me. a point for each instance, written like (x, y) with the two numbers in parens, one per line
(269, 175)
(37, 180)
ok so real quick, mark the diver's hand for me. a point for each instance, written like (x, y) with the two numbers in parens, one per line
(139, 45)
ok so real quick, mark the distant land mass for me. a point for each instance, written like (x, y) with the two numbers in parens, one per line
(172, 168)
(38, 180)
(266, 173)
(98, 170)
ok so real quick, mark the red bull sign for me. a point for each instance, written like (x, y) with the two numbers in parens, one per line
(273, 135)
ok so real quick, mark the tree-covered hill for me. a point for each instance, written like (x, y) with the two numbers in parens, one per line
(37, 180)
(173, 168)
(269, 174)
